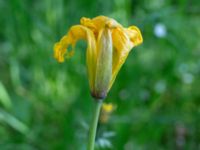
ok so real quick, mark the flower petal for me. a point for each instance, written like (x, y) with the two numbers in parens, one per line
(104, 63)
(121, 44)
(98, 23)
(123, 41)
(75, 33)
(134, 35)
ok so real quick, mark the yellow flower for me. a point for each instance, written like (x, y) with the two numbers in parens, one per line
(106, 110)
(109, 44)
(107, 107)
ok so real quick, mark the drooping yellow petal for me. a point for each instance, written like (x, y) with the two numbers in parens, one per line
(123, 41)
(121, 46)
(60, 48)
(75, 33)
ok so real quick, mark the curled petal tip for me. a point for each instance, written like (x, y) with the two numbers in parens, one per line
(136, 36)
(87, 22)
(58, 54)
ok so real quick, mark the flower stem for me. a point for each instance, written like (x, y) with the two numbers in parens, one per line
(93, 127)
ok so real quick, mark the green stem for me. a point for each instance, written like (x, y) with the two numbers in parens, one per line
(93, 127)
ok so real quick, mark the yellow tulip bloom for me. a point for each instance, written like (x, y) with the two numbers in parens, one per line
(108, 45)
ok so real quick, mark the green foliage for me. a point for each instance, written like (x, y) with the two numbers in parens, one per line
(46, 105)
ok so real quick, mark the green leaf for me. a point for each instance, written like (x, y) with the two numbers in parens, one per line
(13, 122)
(4, 96)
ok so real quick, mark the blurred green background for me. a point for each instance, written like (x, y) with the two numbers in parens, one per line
(47, 106)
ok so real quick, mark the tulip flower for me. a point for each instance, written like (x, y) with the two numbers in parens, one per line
(108, 45)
